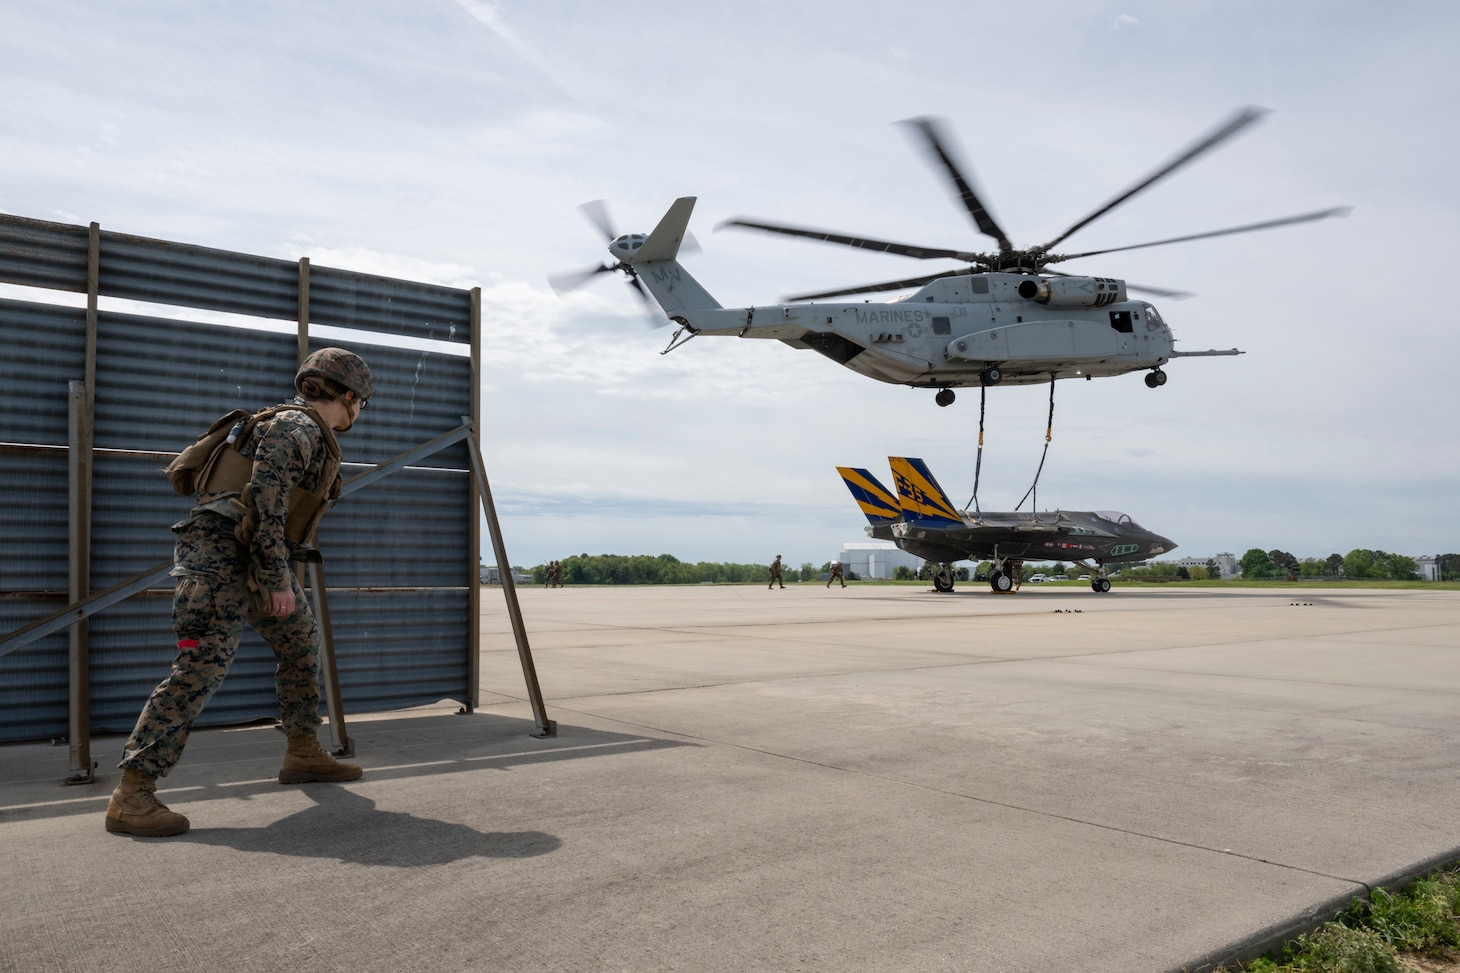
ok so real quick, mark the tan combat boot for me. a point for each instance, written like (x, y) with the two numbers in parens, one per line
(135, 809)
(306, 760)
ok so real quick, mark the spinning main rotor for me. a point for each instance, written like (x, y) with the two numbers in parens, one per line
(1029, 260)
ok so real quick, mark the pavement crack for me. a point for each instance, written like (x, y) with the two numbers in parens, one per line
(928, 788)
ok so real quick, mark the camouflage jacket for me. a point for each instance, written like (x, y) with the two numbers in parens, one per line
(288, 451)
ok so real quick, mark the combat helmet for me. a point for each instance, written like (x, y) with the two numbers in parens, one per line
(338, 365)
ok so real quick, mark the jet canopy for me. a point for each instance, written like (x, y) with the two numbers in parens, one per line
(1116, 517)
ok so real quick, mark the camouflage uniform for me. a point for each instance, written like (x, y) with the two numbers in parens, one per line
(776, 573)
(215, 574)
(836, 574)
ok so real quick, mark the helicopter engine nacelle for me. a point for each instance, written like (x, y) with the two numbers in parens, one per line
(1073, 291)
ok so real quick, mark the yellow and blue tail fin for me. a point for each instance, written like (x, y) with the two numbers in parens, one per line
(918, 493)
(876, 501)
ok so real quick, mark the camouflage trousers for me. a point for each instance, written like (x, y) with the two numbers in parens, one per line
(209, 606)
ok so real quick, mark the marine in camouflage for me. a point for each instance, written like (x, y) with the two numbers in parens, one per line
(211, 603)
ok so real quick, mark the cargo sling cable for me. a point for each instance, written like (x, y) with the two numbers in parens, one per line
(978, 461)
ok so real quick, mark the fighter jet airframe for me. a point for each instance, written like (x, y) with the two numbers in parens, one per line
(920, 519)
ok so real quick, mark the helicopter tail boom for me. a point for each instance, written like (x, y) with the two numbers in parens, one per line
(654, 262)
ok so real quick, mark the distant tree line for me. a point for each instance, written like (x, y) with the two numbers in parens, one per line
(668, 569)
(1358, 564)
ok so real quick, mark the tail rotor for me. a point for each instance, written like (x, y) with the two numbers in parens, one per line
(596, 212)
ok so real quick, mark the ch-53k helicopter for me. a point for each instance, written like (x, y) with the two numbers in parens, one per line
(1004, 318)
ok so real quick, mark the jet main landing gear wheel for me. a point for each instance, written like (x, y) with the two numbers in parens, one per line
(943, 580)
(1001, 582)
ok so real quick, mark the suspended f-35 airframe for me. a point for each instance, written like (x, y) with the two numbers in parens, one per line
(920, 519)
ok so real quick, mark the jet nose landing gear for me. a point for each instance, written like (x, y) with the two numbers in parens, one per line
(944, 397)
(1155, 378)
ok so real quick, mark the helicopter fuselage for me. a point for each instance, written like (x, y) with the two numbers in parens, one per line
(955, 331)
(952, 331)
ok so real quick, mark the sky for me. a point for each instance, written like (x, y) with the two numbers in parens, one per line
(454, 140)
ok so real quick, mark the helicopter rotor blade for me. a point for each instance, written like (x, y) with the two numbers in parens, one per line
(574, 279)
(894, 285)
(597, 212)
(1240, 120)
(936, 145)
(654, 317)
(861, 243)
(638, 287)
(1321, 214)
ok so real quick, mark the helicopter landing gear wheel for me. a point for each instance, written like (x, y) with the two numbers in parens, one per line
(1100, 585)
(992, 375)
(943, 580)
(1001, 582)
(944, 397)
(1155, 379)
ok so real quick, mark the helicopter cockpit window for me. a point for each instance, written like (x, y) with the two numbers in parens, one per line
(942, 325)
(1153, 318)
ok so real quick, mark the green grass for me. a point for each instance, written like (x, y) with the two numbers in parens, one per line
(1373, 935)
(1300, 583)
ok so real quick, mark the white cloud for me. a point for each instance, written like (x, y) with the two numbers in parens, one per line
(394, 141)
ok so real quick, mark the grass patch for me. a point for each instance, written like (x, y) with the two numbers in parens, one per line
(1379, 934)
(1300, 583)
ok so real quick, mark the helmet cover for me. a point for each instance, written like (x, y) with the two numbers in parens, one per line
(339, 365)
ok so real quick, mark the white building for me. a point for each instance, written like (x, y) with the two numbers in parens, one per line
(1428, 566)
(1231, 568)
(876, 560)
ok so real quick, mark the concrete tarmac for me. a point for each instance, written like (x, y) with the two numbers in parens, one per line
(876, 778)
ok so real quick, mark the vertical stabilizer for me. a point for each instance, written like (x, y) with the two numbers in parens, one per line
(876, 501)
(919, 494)
(654, 261)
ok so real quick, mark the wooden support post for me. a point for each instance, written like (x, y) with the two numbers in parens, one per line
(80, 450)
(303, 333)
(474, 545)
(545, 726)
(328, 670)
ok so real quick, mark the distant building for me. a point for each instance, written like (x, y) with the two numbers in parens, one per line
(1229, 565)
(490, 575)
(876, 560)
(1428, 566)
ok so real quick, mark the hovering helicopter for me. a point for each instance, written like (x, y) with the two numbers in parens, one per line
(1004, 318)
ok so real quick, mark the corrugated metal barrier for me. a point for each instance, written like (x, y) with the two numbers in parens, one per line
(401, 553)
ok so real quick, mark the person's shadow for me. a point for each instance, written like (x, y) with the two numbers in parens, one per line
(347, 826)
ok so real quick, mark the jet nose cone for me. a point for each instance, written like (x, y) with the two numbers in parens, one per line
(1165, 543)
